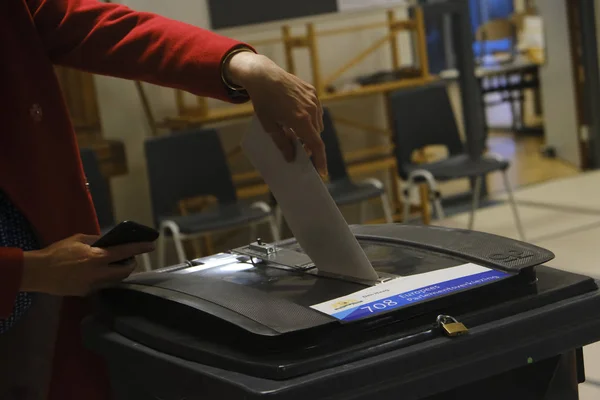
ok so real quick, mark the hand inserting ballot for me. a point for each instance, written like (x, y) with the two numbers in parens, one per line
(287, 107)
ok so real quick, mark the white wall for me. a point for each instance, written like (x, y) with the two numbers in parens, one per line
(123, 118)
(557, 90)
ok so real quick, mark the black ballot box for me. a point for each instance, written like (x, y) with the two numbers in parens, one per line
(455, 314)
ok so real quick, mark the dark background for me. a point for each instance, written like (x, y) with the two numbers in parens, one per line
(232, 13)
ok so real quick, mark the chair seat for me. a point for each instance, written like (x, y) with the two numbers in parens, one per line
(460, 166)
(347, 192)
(223, 217)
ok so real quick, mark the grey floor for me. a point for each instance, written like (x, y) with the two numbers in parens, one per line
(564, 217)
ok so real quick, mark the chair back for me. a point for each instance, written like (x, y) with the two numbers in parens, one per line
(99, 188)
(423, 116)
(336, 165)
(187, 164)
(495, 29)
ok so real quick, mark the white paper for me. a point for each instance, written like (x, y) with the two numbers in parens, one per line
(532, 35)
(307, 206)
(350, 5)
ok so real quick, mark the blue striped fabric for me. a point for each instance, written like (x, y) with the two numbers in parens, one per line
(15, 231)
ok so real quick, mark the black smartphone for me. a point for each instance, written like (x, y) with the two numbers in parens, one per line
(127, 232)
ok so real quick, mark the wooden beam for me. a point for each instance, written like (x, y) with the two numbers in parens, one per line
(351, 29)
(356, 60)
(288, 49)
(147, 108)
(362, 126)
(421, 42)
(315, 63)
(391, 16)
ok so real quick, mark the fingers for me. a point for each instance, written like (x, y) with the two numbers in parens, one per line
(312, 140)
(118, 253)
(86, 239)
(283, 138)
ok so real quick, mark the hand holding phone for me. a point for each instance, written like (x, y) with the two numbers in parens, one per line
(74, 267)
(125, 233)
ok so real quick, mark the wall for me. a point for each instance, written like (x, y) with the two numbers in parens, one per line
(122, 115)
(558, 93)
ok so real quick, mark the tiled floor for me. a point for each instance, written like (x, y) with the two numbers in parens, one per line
(564, 217)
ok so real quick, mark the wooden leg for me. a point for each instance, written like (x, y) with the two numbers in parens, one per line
(395, 195)
(425, 211)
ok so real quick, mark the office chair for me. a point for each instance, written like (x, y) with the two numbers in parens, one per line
(424, 117)
(342, 188)
(189, 164)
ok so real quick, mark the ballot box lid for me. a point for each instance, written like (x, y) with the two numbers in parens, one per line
(250, 315)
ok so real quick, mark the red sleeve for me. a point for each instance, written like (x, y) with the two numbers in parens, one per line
(111, 39)
(11, 272)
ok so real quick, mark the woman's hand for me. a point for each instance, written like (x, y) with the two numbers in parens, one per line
(72, 267)
(285, 105)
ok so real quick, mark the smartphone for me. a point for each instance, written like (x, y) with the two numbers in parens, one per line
(124, 233)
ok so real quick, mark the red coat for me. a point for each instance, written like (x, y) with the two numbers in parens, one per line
(40, 168)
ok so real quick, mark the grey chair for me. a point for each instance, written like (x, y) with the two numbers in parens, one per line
(342, 188)
(100, 192)
(188, 164)
(423, 117)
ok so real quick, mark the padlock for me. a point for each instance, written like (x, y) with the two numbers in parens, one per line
(451, 327)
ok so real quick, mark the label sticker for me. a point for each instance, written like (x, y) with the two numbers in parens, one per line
(405, 291)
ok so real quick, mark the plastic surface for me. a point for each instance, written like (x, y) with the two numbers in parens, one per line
(260, 317)
(500, 339)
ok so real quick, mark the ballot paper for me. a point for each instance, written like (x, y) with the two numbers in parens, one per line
(310, 212)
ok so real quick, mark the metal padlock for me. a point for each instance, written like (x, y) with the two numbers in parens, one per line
(451, 327)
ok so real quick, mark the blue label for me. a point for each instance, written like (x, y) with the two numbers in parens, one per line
(419, 295)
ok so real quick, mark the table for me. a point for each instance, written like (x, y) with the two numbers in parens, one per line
(510, 80)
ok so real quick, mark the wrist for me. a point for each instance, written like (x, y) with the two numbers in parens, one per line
(241, 68)
(34, 262)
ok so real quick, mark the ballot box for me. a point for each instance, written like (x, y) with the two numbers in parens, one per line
(452, 314)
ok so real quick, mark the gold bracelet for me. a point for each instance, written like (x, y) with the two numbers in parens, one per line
(228, 57)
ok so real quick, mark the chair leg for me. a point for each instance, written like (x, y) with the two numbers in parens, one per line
(177, 239)
(385, 202)
(162, 243)
(387, 210)
(513, 205)
(252, 232)
(274, 229)
(363, 212)
(179, 248)
(475, 202)
(433, 191)
(274, 221)
(279, 218)
(437, 203)
(146, 264)
(406, 200)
